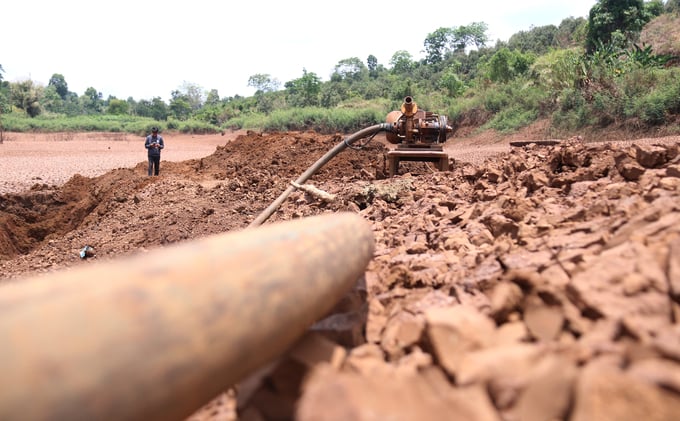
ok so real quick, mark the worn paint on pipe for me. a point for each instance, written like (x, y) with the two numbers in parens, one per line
(157, 335)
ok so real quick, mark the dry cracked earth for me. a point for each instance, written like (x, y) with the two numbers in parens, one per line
(531, 283)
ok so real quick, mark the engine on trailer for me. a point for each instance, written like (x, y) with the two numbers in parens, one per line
(414, 127)
(419, 136)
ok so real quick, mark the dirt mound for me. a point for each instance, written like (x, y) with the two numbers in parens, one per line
(123, 210)
(543, 283)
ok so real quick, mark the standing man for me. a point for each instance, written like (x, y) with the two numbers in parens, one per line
(154, 144)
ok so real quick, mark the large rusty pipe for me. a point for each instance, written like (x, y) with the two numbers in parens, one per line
(368, 131)
(409, 107)
(157, 335)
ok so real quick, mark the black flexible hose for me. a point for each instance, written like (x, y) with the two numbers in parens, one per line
(368, 131)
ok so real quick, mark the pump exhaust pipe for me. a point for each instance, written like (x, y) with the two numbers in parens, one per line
(158, 335)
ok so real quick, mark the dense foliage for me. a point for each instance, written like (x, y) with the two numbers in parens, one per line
(583, 72)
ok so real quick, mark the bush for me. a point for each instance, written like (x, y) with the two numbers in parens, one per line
(570, 99)
(573, 119)
(652, 109)
(655, 107)
(323, 120)
(639, 81)
(558, 69)
(512, 118)
(193, 126)
(18, 122)
(495, 100)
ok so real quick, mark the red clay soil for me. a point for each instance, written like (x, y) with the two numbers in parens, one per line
(529, 283)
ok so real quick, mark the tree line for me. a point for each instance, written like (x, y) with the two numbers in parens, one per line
(584, 71)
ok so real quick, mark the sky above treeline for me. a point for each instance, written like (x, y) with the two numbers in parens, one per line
(147, 49)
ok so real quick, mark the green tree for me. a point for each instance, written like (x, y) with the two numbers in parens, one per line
(304, 91)
(159, 109)
(72, 105)
(52, 101)
(263, 82)
(142, 108)
(402, 88)
(212, 109)
(193, 94)
(92, 101)
(350, 69)
(470, 35)
(402, 62)
(615, 23)
(470, 65)
(372, 64)
(154, 108)
(500, 66)
(332, 94)
(59, 84)
(558, 70)
(571, 32)
(117, 107)
(4, 93)
(537, 39)
(653, 8)
(444, 42)
(264, 85)
(4, 102)
(437, 45)
(672, 6)
(506, 65)
(350, 80)
(213, 98)
(452, 83)
(132, 105)
(26, 96)
(180, 105)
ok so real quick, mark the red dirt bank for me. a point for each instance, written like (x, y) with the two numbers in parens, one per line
(540, 284)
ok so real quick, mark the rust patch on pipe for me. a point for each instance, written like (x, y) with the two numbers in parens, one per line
(157, 335)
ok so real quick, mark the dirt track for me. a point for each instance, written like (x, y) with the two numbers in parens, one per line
(541, 284)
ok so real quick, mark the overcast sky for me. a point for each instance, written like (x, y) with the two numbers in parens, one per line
(148, 48)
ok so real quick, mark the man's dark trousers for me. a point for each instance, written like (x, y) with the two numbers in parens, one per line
(154, 163)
